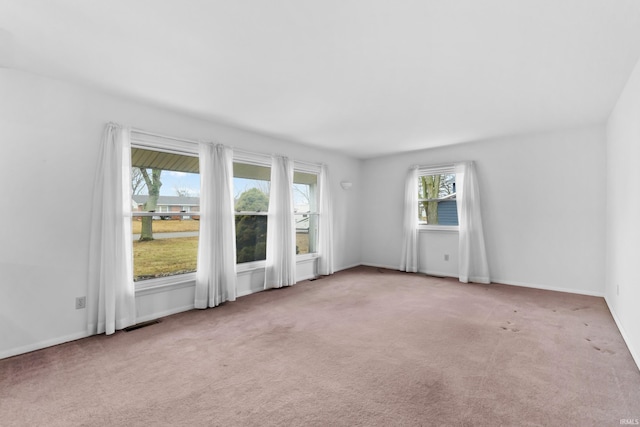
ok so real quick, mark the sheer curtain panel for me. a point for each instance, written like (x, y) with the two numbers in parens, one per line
(216, 271)
(281, 233)
(409, 260)
(111, 269)
(472, 257)
(325, 238)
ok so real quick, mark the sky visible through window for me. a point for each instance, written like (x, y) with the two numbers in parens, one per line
(173, 181)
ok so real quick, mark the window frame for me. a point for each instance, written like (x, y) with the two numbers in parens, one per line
(144, 141)
(311, 169)
(149, 141)
(448, 169)
(260, 160)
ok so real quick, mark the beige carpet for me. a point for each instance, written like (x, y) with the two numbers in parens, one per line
(365, 347)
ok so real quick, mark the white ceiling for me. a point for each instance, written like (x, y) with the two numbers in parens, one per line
(366, 77)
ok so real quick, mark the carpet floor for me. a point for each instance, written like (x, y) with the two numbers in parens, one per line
(364, 347)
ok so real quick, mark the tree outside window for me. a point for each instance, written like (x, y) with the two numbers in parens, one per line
(437, 199)
(251, 187)
(164, 228)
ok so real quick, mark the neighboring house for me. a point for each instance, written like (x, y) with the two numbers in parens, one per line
(302, 218)
(448, 208)
(448, 212)
(170, 204)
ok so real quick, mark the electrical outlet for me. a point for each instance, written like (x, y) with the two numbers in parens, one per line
(81, 302)
(446, 257)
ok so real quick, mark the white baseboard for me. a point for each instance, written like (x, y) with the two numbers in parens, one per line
(43, 344)
(165, 313)
(426, 272)
(548, 288)
(635, 354)
(255, 291)
(437, 273)
(307, 277)
(347, 267)
(388, 267)
(247, 292)
(72, 337)
(499, 281)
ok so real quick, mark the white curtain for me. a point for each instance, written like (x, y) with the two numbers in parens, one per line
(216, 272)
(472, 257)
(325, 237)
(281, 235)
(409, 260)
(111, 269)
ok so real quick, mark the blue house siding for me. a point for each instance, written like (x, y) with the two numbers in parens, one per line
(447, 213)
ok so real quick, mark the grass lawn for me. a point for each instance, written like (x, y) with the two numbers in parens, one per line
(167, 257)
(167, 225)
(302, 242)
(164, 257)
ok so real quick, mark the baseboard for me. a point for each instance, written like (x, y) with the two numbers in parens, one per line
(548, 288)
(635, 354)
(307, 277)
(60, 340)
(247, 292)
(500, 281)
(388, 267)
(255, 291)
(165, 313)
(426, 272)
(437, 273)
(43, 344)
(348, 267)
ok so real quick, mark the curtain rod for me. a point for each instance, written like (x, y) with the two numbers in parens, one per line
(192, 141)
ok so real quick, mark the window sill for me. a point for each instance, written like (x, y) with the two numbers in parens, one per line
(260, 265)
(447, 228)
(170, 283)
(164, 284)
(306, 257)
(250, 266)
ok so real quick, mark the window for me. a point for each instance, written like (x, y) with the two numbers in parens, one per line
(166, 207)
(437, 197)
(251, 183)
(305, 202)
(166, 189)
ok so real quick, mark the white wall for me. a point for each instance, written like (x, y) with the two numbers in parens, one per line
(433, 246)
(623, 213)
(542, 206)
(49, 139)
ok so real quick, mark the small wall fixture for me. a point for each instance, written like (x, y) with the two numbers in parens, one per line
(346, 185)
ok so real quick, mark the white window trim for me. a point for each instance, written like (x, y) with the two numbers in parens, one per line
(436, 227)
(436, 170)
(163, 284)
(250, 266)
(186, 280)
(307, 167)
(254, 159)
(140, 139)
(307, 257)
(145, 213)
(315, 169)
(169, 144)
(251, 213)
